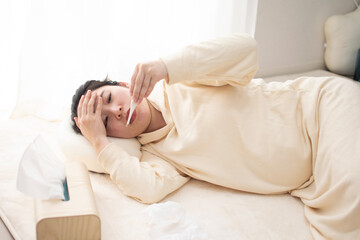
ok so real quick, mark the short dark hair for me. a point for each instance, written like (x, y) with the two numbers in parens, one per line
(88, 85)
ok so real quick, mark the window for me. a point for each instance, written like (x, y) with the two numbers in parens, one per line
(51, 47)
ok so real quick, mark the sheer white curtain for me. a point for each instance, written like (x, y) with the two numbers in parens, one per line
(48, 48)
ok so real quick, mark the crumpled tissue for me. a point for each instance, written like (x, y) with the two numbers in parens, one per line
(41, 175)
(168, 221)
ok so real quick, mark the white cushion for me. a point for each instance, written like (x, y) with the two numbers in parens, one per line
(342, 33)
(75, 147)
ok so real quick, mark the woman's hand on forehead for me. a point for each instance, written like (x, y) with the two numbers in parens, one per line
(144, 78)
(89, 120)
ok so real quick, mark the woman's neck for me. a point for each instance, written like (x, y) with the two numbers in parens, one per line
(157, 121)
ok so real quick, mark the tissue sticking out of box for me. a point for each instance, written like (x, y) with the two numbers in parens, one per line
(41, 174)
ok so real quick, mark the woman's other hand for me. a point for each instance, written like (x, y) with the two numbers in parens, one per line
(144, 78)
(89, 120)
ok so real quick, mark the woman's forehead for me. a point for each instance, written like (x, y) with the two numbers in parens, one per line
(100, 89)
(105, 88)
(111, 89)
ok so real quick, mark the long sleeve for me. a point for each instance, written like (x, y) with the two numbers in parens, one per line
(227, 60)
(147, 180)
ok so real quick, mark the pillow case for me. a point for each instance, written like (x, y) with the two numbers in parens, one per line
(343, 41)
(75, 147)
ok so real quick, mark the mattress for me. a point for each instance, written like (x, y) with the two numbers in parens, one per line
(220, 212)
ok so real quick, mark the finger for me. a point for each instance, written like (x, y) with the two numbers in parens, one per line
(144, 88)
(138, 85)
(98, 107)
(80, 105)
(150, 89)
(91, 104)
(133, 78)
(86, 101)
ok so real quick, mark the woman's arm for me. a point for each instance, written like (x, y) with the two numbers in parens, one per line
(226, 60)
(148, 180)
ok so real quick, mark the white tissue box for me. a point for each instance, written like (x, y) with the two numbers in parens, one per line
(77, 218)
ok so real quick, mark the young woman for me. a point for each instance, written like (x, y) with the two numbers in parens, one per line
(209, 120)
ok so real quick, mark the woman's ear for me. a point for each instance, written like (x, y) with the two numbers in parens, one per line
(124, 84)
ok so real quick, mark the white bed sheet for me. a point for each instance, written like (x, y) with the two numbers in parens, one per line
(222, 213)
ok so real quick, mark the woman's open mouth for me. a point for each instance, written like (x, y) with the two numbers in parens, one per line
(132, 117)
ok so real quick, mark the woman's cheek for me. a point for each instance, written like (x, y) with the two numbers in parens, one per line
(115, 131)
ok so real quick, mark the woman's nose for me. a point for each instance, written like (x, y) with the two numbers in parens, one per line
(118, 111)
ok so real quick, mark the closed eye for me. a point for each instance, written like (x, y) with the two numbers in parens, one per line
(106, 121)
(109, 98)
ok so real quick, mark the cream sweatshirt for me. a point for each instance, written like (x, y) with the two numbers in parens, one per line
(222, 127)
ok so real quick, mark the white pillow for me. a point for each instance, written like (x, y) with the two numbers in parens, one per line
(342, 34)
(77, 148)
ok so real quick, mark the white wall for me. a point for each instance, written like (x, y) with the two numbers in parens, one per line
(290, 33)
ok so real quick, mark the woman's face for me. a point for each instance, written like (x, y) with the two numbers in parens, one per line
(115, 112)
